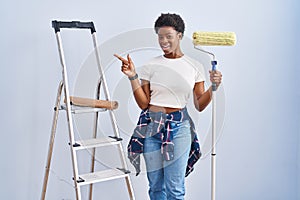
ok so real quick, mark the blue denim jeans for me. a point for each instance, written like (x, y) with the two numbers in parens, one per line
(166, 178)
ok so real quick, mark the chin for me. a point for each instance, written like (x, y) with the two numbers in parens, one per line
(167, 52)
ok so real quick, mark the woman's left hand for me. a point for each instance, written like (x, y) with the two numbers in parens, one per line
(215, 77)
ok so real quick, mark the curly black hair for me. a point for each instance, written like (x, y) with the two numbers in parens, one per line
(172, 20)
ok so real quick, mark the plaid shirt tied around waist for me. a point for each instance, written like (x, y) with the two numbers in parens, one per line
(165, 125)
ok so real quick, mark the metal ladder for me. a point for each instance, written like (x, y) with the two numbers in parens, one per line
(74, 105)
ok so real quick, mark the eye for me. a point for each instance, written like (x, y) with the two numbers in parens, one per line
(169, 36)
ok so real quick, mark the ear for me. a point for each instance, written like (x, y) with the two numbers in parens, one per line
(180, 35)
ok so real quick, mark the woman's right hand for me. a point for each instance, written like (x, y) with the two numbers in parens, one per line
(127, 67)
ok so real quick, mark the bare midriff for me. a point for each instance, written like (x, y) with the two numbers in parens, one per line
(167, 110)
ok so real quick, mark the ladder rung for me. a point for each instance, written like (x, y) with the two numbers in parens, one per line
(100, 176)
(81, 110)
(96, 142)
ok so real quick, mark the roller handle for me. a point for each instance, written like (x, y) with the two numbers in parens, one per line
(214, 68)
(57, 25)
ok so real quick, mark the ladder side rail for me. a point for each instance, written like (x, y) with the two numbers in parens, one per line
(94, 136)
(69, 115)
(107, 96)
(112, 117)
(51, 142)
(129, 188)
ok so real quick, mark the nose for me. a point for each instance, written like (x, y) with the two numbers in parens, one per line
(163, 40)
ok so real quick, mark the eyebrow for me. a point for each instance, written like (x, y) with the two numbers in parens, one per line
(169, 33)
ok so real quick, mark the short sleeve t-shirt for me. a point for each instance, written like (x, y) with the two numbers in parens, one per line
(172, 80)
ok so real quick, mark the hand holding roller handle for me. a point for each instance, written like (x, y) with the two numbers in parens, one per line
(215, 76)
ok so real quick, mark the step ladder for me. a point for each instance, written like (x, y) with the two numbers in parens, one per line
(74, 105)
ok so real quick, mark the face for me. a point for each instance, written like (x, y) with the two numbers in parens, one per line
(169, 41)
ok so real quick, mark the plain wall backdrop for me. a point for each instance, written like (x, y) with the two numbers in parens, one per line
(258, 152)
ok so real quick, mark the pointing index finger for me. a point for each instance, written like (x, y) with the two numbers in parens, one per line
(120, 58)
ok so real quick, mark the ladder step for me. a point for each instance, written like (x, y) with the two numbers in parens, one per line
(105, 175)
(96, 142)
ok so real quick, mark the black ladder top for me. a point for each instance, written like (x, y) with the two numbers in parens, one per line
(57, 25)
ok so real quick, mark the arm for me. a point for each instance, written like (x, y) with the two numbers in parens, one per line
(141, 90)
(201, 97)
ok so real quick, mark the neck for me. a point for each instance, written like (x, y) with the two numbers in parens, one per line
(174, 55)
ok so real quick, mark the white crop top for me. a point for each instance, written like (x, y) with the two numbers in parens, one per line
(172, 80)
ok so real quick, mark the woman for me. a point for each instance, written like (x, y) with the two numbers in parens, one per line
(165, 133)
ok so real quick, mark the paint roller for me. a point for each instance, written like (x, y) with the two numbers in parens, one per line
(201, 38)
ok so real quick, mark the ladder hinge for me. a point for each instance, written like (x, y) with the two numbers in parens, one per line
(75, 145)
(124, 170)
(80, 180)
(116, 138)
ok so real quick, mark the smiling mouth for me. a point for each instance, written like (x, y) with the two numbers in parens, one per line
(165, 47)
